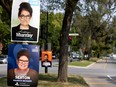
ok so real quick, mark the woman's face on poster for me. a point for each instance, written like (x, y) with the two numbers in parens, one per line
(24, 17)
(23, 63)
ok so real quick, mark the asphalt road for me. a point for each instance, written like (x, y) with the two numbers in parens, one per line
(3, 70)
(100, 74)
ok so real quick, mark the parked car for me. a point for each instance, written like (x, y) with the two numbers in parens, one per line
(3, 59)
(74, 56)
(55, 56)
(114, 56)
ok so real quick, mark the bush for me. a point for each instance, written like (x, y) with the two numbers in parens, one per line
(93, 59)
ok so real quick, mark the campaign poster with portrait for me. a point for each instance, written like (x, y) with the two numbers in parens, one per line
(46, 60)
(25, 21)
(23, 65)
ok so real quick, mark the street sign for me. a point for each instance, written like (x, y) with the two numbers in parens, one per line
(73, 34)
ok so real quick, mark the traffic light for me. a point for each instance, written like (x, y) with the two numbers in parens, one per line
(69, 40)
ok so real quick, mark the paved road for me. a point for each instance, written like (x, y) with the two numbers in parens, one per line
(3, 70)
(101, 74)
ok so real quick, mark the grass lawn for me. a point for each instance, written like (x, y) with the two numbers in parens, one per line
(50, 80)
(82, 63)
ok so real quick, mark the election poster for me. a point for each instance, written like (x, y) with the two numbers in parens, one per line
(46, 60)
(25, 20)
(23, 65)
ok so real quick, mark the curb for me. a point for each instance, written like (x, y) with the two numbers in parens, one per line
(81, 66)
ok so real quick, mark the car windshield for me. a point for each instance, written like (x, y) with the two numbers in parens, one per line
(74, 53)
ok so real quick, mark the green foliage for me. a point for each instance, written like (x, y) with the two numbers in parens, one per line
(54, 28)
(1, 9)
(89, 23)
(4, 29)
(93, 24)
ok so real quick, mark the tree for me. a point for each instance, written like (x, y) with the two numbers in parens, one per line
(7, 5)
(92, 22)
(54, 29)
(63, 58)
(4, 29)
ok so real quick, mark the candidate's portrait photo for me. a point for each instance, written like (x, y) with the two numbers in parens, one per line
(46, 62)
(20, 70)
(24, 31)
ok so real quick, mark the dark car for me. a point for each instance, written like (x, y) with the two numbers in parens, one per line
(3, 59)
(55, 56)
(74, 56)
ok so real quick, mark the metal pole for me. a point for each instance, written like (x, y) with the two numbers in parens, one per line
(46, 46)
(46, 41)
(46, 69)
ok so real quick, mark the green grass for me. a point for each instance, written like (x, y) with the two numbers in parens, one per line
(3, 82)
(83, 63)
(94, 59)
(50, 80)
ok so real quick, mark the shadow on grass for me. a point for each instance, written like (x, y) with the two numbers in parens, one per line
(76, 80)
(3, 82)
(50, 80)
(48, 77)
(72, 80)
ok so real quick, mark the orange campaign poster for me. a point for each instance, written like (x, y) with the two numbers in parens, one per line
(46, 60)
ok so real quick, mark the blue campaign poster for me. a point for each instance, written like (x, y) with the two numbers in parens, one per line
(23, 65)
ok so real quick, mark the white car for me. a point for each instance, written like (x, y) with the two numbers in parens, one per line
(3, 59)
(114, 56)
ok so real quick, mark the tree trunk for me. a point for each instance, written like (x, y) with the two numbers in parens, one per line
(7, 5)
(63, 58)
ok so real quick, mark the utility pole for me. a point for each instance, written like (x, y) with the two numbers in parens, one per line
(46, 40)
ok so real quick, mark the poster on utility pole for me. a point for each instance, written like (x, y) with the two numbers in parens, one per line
(25, 21)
